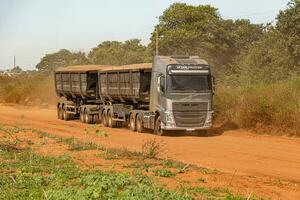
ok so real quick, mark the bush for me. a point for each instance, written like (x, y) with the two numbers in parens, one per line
(274, 106)
(28, 89)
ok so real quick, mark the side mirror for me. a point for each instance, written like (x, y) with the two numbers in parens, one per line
(161, 84)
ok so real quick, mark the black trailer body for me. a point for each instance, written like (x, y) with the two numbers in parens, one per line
(78, 85)
(131, 85)
(125, 92)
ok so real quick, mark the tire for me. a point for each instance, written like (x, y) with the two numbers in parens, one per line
(139, 124)
(88, 118)
(157, 128)
(132, 123)
(66, 115)
(82, 117)
(202, 133)
(111, 122)
(95, 119)
(60, 112)
(104, 119)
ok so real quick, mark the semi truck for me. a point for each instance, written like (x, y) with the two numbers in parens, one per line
(173, 93)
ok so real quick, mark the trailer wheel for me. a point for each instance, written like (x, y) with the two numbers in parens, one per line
(132, 122)
(95, 119)
(88, 118)
(111, 122)
(82, 117)
(157, 129)
(66, 115)
(139, 124)
(60, 113)
(104, 119)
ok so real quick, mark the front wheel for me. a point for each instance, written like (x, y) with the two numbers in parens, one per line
(157, 129)
(202, 133)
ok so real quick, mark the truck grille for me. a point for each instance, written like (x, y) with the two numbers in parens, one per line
(190, 114)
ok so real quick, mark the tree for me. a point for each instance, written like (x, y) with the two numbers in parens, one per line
(276, 55)
(16, 70)
(118, 53)
(61, 58)
(200, 30)
(288, 23)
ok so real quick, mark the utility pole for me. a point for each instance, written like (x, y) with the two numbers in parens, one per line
(156, 41)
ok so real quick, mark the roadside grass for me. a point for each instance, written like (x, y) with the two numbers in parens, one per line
(36, 177)
(272, 109)
(23, 89)
(24, 174)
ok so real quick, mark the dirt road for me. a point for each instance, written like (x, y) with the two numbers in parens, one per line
(233, 151)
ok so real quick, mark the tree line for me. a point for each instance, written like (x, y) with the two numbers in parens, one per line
(238, 51)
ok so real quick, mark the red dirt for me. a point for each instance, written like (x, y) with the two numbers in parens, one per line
(272, 162)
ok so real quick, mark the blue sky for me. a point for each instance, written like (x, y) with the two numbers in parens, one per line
(31, 28)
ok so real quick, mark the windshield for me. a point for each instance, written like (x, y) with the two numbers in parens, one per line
(188, 83)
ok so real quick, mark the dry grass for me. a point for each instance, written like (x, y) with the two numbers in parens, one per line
(28, 89)
(275, 107)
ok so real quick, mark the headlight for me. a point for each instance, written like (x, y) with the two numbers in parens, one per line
(209, 118)
(169, 117)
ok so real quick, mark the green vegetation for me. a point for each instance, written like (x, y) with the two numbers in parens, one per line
(274, 107)
(61, 58)
(27, 175)
(35, 177)
(257, 66)
(28, 89)
(164, 173)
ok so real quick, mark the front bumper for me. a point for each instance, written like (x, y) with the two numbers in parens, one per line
(171, 125)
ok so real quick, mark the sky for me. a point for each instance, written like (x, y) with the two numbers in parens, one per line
(29, 29)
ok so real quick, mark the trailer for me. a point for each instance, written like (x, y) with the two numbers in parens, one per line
(174, 93)
(77, 88)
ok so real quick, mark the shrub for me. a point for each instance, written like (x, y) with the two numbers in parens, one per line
(275, 106)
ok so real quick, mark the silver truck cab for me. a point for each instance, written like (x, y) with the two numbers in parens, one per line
(181, 93)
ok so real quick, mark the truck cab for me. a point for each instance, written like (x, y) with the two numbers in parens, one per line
(181, 93)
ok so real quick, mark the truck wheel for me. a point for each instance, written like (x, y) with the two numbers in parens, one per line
(82, 117)
(104, 119)
(88, 118)
(111, 122)
(202, 133)
(61, 113)
(139, 124)
(157, 129)
(95, 119)
(132, 123)
(66, 115)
